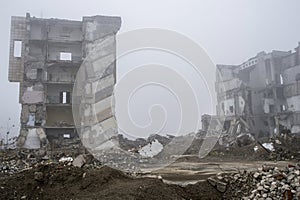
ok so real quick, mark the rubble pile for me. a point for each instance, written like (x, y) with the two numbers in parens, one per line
(12, 162)
(268, 182)
(15, 161)
(286, 147)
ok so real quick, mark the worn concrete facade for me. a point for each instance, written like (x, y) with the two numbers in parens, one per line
(45, 56)
(263, 91)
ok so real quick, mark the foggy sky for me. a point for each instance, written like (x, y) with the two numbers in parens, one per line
(231, 31)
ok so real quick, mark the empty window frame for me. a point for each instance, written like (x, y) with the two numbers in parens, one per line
(17, 49)
(65, 56)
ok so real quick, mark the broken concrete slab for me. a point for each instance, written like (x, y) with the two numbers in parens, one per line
(79, 161)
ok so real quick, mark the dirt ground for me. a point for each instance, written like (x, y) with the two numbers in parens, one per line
(61, 182)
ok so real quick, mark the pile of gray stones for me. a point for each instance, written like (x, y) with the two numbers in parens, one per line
(15, 163)
(267, 182)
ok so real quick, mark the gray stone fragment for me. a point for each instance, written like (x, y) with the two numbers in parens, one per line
(79, 161)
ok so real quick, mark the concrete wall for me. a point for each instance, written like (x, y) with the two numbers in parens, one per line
(56, 48)
(32, 93)
(225, 72)
(291, 74)
(293, 103)
(99, 79)
(231, 84)
(59, 117)
(65, 30)
(32, 140)
(53, 92)
(266, 105)
(233, 106)
(292, 90)
(62, 74)
(18, 33)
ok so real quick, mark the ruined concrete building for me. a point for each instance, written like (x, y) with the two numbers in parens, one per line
(264, 92)
(45, 55)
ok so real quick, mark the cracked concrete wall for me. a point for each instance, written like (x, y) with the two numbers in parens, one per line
(97, 111)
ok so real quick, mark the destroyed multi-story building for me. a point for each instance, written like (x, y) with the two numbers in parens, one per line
(264, 92)
(45, 55)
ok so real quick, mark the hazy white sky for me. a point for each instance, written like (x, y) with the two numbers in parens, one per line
(231, 31)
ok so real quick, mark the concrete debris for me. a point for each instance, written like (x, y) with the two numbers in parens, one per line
(244, 139)
(15, 161)
(151, 149)
(219, 184)
(79, 161)
(269, 146)
(66, 159)
(267, 182)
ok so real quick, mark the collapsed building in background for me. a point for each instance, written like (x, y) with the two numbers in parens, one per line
(45, 55)
(261, 96)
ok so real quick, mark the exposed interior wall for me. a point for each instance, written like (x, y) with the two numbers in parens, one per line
(56, 48)
(59, 116)
(59, 133)
(54, 92)
(62, 74)
(65, 30)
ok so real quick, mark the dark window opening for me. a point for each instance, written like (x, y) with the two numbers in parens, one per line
(271, 108)
(39, 74)
(231, 109)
